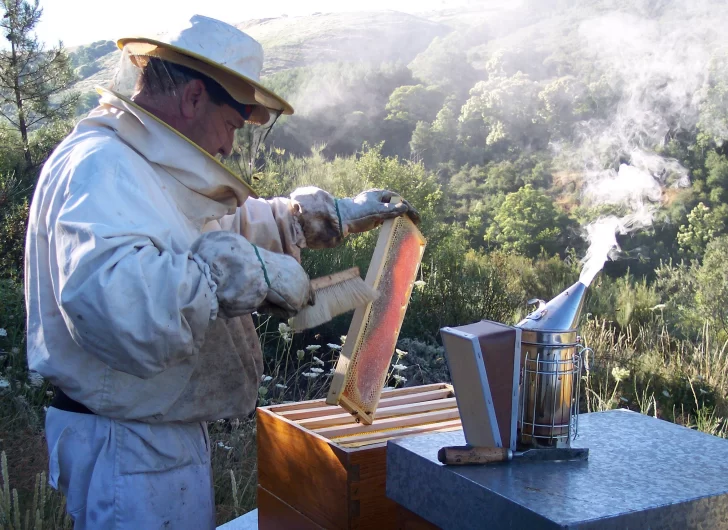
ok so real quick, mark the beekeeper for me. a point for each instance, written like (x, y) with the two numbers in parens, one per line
(145, 258)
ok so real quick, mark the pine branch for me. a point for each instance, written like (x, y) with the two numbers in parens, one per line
(12, 122)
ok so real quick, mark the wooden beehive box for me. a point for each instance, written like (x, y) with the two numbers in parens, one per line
(318, 468)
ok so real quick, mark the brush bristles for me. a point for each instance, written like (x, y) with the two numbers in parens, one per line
(333, 301)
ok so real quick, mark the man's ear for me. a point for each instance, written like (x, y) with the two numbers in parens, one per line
(193, 100)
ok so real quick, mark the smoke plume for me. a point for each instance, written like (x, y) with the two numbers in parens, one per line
(657, 68)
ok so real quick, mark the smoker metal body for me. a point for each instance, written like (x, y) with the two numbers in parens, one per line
(551, 371)
(549, 392)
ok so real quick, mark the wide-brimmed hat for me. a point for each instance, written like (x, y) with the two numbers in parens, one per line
(220, 51)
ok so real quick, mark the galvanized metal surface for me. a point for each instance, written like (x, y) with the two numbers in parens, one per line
(642, 473)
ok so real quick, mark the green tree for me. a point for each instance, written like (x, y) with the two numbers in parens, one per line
(508, 107)
(509, 176)
(528, 222)
(714, 105)
(423, 144)
(444, 133)
(13, 220)
(716, 166)
(414, 103)
(445, 65)
(33, 80)
(703, 226)
(563, 102)
(712, 295)
(410, 179)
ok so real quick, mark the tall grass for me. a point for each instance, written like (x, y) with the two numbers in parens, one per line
(43, 509)
(649, 371)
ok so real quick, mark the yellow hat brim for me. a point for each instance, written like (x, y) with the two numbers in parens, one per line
(241, 88)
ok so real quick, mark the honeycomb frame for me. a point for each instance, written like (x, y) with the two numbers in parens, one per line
(392, 271)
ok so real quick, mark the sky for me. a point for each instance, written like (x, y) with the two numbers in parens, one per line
(83, 21)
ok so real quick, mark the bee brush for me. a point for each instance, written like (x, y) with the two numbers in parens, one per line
(334, 295)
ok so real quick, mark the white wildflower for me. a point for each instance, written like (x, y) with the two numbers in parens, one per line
(317, 361)
(284, 328)
(659, 307)
(400, 353)
(312, 347)
(300, 354)
(223, 446)
(399, 378)
(317, 370)
(666, 393)
(619, 373)
(310, 375)
(334, 346)
(342, 339)
(399, 367)
(35, 379)
(420, 284)
(3, 332)
(267, 378)
(282, 387)
(49, 393)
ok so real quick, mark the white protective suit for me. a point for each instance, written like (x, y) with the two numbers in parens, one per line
(120, 316)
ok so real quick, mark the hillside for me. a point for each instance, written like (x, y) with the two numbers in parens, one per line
(377, 37)
(290, 42)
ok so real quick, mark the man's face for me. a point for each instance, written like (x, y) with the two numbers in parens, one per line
(214, 128)
(191, 112)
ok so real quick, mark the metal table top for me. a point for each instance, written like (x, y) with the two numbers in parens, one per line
(642, 472)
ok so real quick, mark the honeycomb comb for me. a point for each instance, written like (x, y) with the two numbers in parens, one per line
(362, 368)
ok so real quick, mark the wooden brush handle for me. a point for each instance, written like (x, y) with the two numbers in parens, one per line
(463, 455)
(333, 279)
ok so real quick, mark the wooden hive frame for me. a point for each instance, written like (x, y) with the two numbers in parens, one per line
(320, 468)
(353, 349)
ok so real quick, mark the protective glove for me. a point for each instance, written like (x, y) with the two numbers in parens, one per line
(250, 278)
(325, 221)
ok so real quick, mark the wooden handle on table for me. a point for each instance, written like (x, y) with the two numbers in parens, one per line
(333, 279)
(463, 455)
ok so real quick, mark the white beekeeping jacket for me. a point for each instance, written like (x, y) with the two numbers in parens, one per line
(119, 315)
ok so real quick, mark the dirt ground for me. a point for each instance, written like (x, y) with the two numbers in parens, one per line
(27, 456)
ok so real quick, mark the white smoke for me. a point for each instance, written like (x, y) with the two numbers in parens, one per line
(658, 70)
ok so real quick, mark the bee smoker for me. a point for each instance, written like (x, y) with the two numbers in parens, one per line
(550, 376)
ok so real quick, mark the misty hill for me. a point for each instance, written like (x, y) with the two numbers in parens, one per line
(377, 37)
(290, 42)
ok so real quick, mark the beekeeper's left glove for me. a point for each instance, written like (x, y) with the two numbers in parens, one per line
(326, 221)
(249, 278)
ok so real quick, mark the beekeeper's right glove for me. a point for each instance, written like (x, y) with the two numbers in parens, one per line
(249, 278)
